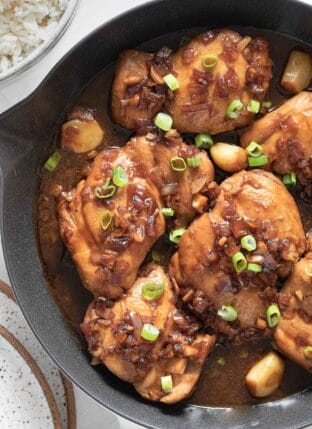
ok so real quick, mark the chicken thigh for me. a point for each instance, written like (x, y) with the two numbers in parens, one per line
(242, 72)
(115, 334)
(285, 136)
(110, 222)
(136, 96)
(293, 334)
(253, 203)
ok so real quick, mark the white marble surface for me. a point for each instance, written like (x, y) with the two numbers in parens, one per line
(90, 14)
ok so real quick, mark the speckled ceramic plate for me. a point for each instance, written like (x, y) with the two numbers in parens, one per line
(33, 393)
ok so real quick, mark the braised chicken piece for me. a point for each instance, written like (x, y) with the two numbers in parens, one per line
(147, 341)
(109, 229)
(112, 219)
(242, 72)
(136, 95)
(285, 136)
(293, 334)
(251, 203)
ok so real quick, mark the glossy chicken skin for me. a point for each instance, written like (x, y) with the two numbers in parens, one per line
(243, 72)
(285, 136)
(256, 203)
(136, 97)
(108, 259)
(294, 332)
(114, 336)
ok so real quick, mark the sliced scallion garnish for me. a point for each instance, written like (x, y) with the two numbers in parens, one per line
(266, 104)
(209, 61)
(149, 332)
(203, 141)
(249, 243)
(193, 162)
(166, 383)
(239, 262)
(254, 149)
(167, 211)
(234, 108)
(163, 121)
(258, 161)
(253, 106)
(120, 177)
(176, 234)
(273, 315)
(172, 82)
(227, 313)
(290, 179)
(53, 161)
(177, 164)
(153, 290)
(105, 191)
(256, 268)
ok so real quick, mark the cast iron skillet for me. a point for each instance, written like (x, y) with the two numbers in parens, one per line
(26, 132)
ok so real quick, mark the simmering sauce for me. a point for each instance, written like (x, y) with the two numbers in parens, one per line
(222, 380)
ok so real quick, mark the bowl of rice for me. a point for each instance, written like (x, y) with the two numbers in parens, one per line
(28, 28)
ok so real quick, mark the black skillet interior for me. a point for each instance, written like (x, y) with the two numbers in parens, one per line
(26, 132)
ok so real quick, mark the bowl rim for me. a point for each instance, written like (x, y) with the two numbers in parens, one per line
(36, 55)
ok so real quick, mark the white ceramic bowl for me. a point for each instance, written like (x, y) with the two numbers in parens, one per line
(45, 47)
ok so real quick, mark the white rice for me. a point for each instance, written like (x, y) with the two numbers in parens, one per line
(24, 25)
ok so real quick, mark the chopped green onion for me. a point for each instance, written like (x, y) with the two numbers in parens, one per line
(290, 179)
(256, 268)
(194, 161)
(109, 190)
(120, 177)
(307, 351)
(172, 82)
(203, 141)
(253, 106)
(166, 383)
(239, 262)
(209, 61)
(273, 315)
(266, 104)
(176, 235)
(168, 212)
(53, 161)
(156, 256)
(249, 243)
(177, 163)
(254, 149)
(258, 161)
(106, 219)
(149, 332)
(221, 361)
(153, 291)
(163, 121)
(234, 108)
(227, 313)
